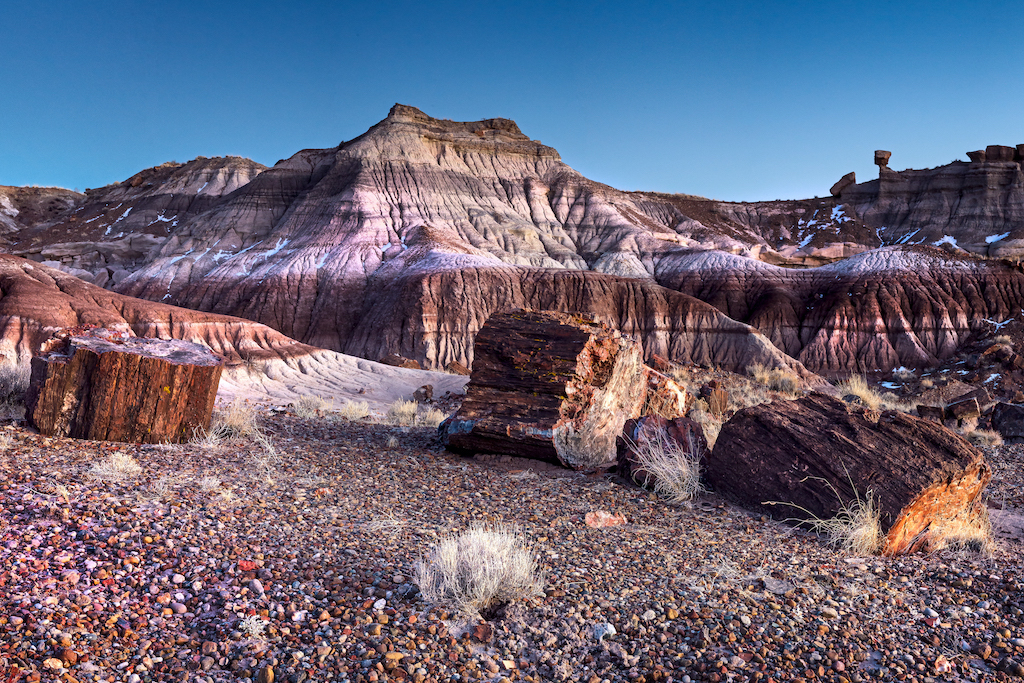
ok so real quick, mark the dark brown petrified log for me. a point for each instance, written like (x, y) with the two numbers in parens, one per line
(822, 455)
(550, 386)
(106, 385)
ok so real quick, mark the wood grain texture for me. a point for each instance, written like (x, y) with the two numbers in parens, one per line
(818, 454)
(104, 385)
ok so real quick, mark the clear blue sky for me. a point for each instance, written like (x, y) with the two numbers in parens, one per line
(732, 100)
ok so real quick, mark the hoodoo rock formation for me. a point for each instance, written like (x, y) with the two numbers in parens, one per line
(406, 238)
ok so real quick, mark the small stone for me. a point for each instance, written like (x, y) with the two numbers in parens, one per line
(380, 604)
(256, 586)
(177, 579)
(53, 663)
(829, 613)
(930, 613)
(178, 608)
(649, 615)
(266, 675)
(209, 648)
(207, 663)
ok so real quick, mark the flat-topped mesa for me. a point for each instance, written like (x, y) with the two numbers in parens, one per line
(106, 385)
(493, 135)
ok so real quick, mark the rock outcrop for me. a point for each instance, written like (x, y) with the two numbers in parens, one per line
(111, 231)
(891, 307)
(814, 457)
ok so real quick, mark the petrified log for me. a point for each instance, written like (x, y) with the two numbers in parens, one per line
(821, 455)
(106, 385)
(1008, 420)
(665, 396)
(551, 386)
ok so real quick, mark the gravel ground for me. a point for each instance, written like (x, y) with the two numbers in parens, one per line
(169, 573)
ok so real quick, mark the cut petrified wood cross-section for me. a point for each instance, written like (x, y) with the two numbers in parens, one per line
(816, 455)
(550, 386)
(106, 385)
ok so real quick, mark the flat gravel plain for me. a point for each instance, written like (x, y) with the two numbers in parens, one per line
(226, 563)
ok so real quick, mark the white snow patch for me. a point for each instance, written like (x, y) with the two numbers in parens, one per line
(992, 378)
(805, 241)
(1001, 325)
(890, 385)
(996, 238)
(200, 191)
(839, 215)
(906, 238)
(276, 248)
(125, 214)
(946, 239)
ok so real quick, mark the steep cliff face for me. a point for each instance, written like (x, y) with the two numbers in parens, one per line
(978, 206)
(893, 306)
(113, 230)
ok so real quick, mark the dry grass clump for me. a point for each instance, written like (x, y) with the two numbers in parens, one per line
(14, 378)
(118, 467)
(353, 410)
(310, 406)
(675, 469)
(985, 437)
(411, 414)
(781, 380)
(857, 528)
(238, 418)
(479, 570)
(857, 386)
(1004, 339)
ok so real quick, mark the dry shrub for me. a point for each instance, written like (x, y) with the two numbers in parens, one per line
(311, 406)
(985, 437)
(781, 380)
(409, 414)
(478, 570)
(118, 467)
(238, 418)
(856, 528)
(675, 469)
(14, 379)
(354, 410)
(1003, 339)
(857, 386)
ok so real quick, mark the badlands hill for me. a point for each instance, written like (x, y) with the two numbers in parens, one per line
(405, 239)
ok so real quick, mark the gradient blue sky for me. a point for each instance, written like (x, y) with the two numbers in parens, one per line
(732, 100)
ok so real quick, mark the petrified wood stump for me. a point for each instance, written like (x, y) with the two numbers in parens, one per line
(819, 454)
(550, 386)
(105, 385)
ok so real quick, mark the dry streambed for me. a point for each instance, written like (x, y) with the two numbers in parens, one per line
(211, 564)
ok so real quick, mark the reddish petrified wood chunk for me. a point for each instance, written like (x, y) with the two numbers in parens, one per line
(550, 386)
(106, 385)
(819, 454)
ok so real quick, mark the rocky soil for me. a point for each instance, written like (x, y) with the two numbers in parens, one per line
(168, 574)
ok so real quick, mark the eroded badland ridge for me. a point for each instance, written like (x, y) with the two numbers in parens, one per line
(405, 239)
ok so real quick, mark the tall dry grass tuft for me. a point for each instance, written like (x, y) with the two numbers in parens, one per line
(118, 467)
(479, 570)
(412, 414)
(674, 469)
(310, 406)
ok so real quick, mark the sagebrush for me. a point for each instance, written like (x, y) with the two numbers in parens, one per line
(479, 570)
